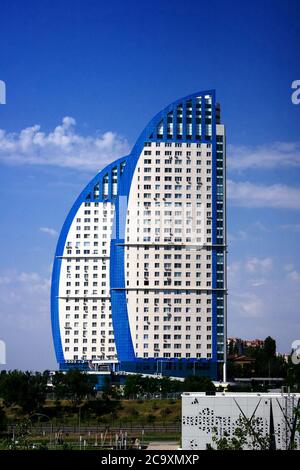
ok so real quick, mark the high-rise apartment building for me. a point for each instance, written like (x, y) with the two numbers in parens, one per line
(139, 276)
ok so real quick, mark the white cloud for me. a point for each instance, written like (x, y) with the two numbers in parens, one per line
(261, 227)
(253, 265)
(23, 296)
(291, 227)
(233, 268)
(268, 156)
(27, 278)
(25, 319)
(258, 282)
(241, 235)
(288, 267)
(256, 306)
(245, 298)
(62, 147)
(294, 276)
(49, 231)
(251, 232)
(276, 196)
(247, 304)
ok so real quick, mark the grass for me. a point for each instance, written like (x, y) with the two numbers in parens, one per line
(101, 413)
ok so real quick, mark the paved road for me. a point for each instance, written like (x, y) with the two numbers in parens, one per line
(163, 445)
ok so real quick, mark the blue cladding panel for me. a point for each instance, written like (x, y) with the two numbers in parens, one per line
(173, 367)
(214, 226)
(54, 312)
(122, 333)
(194, 118)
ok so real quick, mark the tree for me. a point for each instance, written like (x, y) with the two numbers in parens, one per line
(24, 389)
(194, 383)
(293, 376)
(3, 419)
(269, 348)
(230, 348)
(150, 385)
(265, 364)
(247, 435)
(134, 385)
(107, 389)
(21, 436)
(74, 385)
(167, 385)
(138, 385)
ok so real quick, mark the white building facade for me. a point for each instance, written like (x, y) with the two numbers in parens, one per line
(267, 414)
(139, 277)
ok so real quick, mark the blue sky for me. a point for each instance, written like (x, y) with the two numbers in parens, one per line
(84, 77)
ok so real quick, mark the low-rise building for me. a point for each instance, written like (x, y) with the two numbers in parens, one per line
(266, 414)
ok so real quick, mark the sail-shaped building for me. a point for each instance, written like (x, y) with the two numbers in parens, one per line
(139, 275)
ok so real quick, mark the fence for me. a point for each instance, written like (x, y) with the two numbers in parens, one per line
(48, 428)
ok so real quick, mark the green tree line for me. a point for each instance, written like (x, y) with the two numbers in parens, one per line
(29, 390)
(265, 363)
